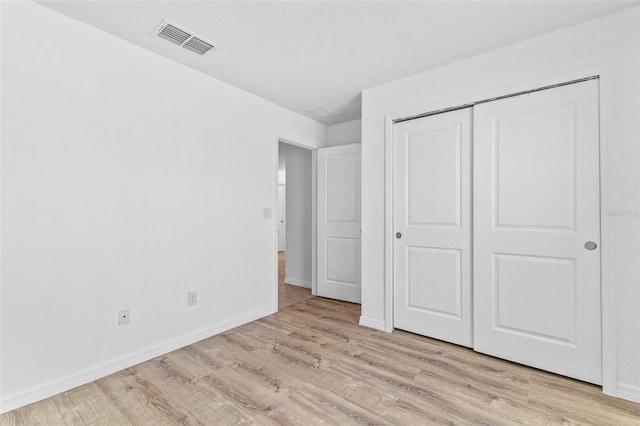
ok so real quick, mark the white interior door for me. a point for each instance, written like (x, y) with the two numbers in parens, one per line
(338, 229)
(432, 215)
(282, 214)
(536, 207)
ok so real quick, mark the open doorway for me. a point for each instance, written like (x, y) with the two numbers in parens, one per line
(295, 224)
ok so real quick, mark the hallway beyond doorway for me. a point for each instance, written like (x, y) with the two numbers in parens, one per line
(289, 294)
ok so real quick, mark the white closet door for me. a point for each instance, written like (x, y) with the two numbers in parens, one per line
(536, 208)
(432, 226)
(338, 254)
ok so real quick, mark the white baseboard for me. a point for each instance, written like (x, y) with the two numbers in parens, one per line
(373, 323)
(629, 392)
(46, 390)
(299, 283)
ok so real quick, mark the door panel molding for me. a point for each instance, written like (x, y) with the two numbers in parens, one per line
(451, 308)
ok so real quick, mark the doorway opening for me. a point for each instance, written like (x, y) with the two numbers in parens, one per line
(295, 227)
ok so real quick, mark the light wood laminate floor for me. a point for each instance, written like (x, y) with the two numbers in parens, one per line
(312, 364)
(289, 294)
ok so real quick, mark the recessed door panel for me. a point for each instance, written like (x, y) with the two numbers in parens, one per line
(433, 178)
(535, 296)
(342, 260)
(434, 281)
(535, 175)
(342, 180)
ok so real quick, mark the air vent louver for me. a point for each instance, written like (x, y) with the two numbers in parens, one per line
(173, 34)
(198, 46)
(177, 35)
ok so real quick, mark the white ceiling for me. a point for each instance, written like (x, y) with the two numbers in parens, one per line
(300, 54)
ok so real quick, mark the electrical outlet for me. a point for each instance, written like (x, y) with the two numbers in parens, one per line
(266, 213)
(192, 298)
(124, 316)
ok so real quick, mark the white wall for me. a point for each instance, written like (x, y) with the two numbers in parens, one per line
(612, 41)
(127, 180)
(345, 133)
(299, 215)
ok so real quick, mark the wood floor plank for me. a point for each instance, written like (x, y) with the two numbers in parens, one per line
(42, 413)
(561, 395)
(289, 294)
(312, 364)
(140, 400)
(88, 406)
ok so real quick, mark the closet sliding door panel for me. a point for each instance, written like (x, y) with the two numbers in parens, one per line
(432, 226)
(537, 230)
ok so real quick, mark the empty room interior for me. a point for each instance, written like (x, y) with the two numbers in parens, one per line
(320, 212)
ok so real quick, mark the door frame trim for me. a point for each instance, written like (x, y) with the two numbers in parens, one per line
(607, 278)
(277, 138)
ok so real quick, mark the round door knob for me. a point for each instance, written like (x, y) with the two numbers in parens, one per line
(590, 245)
(398, 235)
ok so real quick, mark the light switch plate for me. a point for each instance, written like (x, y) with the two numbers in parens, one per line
(192, 298)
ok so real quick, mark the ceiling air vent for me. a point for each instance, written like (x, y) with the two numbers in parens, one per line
(184, 38)
(323, 110)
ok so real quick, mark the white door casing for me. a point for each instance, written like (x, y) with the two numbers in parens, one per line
(536, 204)
(432, 226)
(282, 212)
(338, 223)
